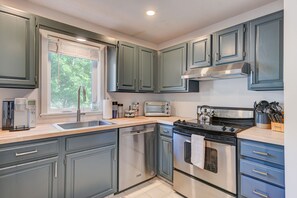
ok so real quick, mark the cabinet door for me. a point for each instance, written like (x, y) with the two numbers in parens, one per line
(173, 63)
(267, 53)
(147, 61)
(200, 52)
(165, 168)
(91, 173)
(229, 45)
(127, 67)
(17, 61)
(30, 180)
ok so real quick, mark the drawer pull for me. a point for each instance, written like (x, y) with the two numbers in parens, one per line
(260, 172)
(260, 194)
(26, 153)
(56, 169)
(165, 131)
(261, 153)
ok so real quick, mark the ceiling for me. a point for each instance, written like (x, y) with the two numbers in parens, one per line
(173, 17)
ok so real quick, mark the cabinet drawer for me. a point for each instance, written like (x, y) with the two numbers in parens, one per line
(263, 172)
(262, 151)
(82, 142)
(165, 130)
(252, 188)
(28, 151)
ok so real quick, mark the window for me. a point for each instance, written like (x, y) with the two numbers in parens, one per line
(67, 65)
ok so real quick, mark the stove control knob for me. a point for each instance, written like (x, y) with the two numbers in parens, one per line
(184, 121)
(232, 129)
(224, 128)
(178, 120)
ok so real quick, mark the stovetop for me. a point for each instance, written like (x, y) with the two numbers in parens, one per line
(221, 126)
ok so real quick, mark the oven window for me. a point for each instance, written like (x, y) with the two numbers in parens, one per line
(211, 157)
(155, 109)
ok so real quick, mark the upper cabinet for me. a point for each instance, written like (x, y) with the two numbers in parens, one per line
(229, 45)
(266, 53)
(200, 51)
(17, 51)
(131, 68)
(173, 63)
(146, 70)
(127, 66)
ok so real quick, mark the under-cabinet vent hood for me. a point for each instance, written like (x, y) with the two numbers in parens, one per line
(234, 70)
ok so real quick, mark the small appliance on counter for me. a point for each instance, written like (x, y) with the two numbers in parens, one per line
(18, 114)
(157, 108)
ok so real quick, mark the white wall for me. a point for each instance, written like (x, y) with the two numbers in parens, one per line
(290, 97)
(231, 92)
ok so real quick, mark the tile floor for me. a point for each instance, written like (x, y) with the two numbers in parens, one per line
(154, 188)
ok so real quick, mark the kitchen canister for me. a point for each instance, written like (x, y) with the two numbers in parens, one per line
(107, 109)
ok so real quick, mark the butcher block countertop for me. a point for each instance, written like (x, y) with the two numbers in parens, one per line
(262, 135)
(49, 131)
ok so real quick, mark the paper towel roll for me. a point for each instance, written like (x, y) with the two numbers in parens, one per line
(107, 109)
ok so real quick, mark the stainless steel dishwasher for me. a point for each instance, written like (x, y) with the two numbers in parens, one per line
(137, 155)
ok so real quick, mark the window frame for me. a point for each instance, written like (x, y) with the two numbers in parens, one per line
(45, 74)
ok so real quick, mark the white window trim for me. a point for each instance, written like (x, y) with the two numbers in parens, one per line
(45, 75)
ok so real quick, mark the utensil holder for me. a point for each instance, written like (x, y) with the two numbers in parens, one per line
(263, 121)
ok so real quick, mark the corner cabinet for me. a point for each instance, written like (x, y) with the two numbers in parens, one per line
(172, 65)
(266, 53)
(131, 68)
(200, 51)
(17, 51)
(165, 155)
(229, 45)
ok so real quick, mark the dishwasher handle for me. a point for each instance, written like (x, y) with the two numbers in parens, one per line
(137, 132)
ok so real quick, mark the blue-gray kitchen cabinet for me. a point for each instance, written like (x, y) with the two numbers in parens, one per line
(146, 69)
(266, 53)
(229, 45)
(172, 64)
(91, 173)
(29, 169)
(91, 164)
(261, 170)
(17, 50)
(127, 66)
(200, 51)
(165, 155)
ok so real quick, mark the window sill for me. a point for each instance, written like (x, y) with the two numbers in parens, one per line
(68, 114)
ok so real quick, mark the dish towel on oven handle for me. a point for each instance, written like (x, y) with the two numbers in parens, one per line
(198, 150)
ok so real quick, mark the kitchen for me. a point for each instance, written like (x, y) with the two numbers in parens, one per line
(226, 93)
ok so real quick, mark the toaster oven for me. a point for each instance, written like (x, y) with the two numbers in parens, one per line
(157, 108)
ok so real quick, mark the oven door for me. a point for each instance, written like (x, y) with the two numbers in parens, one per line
(220, 162)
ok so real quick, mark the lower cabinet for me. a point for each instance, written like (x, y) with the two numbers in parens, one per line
(91, 173)
(261, 170)
(165, 156)
(34, 179)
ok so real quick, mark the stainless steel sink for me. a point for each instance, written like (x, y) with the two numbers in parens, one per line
(76, 125)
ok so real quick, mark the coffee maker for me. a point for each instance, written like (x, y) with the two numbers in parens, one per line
(18, 114)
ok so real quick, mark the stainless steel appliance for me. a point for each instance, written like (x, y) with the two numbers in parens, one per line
(137, 155)
(218, 178)
(18, 114)
(157, 108)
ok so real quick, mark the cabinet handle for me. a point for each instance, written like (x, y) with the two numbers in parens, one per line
(169, 148)
(165, 131)
(208, 58)
(135, 83)
(26, 153)
(114, 156)
(261, 153)
(56, 170)
(260, 194)
(260, 172)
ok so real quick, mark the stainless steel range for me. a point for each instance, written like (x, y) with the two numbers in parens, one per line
(218, 126)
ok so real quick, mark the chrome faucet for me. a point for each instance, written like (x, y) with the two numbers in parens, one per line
(78, 114)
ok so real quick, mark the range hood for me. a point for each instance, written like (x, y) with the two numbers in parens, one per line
(234, 70)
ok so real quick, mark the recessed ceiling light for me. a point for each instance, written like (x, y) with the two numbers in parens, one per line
(81, 39)
(150, 13)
